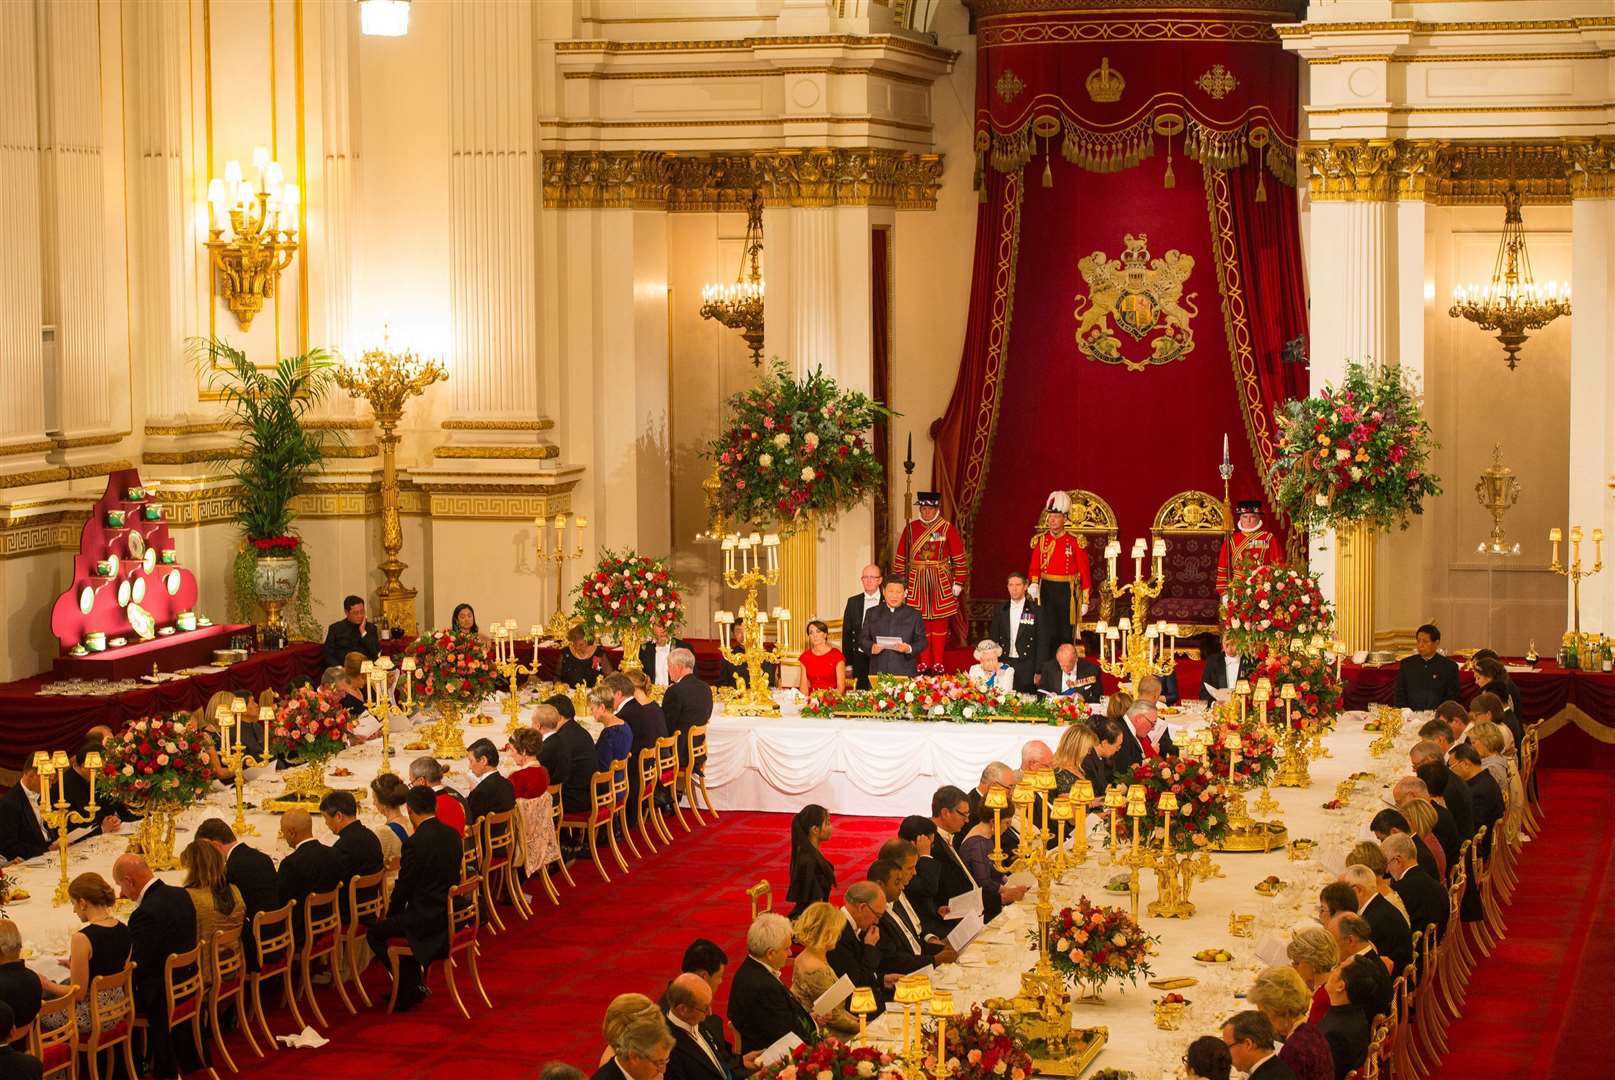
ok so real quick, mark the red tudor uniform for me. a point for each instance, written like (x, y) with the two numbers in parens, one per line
(930, 559)
(1060, 573)
(1253, 545)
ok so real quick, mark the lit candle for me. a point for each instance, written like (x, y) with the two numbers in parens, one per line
(266, 714)
(260, 161)
(1553, 535)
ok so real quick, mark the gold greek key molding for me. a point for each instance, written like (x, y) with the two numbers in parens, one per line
(206, 427)
(50, 532)
(495, 453)
(32, 477)
(541, 424)
(1458, 173)
(497, 506)
(887, 42)
(825, 176)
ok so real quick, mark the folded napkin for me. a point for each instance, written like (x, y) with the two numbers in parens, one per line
(307, 1037)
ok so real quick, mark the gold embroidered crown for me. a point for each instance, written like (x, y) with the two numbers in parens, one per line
(1104, 84)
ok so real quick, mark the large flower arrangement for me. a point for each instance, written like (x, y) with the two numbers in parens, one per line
(157, 761)
(1318, 691)
(795, 446)
(835, 1059)
(1272, 606)
(1356, 453)
(947, 698)
(980, 1046)
(1201, 819)
(310, 725)
(454, 669)
(628, 592)
(1257, 751)
(1094, 945)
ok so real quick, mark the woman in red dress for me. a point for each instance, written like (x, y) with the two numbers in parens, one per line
(530, 778)
(823, 666)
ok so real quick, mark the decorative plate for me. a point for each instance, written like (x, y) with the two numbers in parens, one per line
(138, 593)
(86, 599)
(149, 561)
(171, 582)
(165, 631)
(136, 544)
(123, 593)
(112, 566)
(142, 622)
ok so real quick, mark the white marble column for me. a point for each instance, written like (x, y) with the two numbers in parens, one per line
(1592, 399)
(78, 388)
(340, 152)
(22, 406)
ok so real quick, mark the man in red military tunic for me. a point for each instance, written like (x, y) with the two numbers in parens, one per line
(931, 561)
(1061, 577)
(1252, 545)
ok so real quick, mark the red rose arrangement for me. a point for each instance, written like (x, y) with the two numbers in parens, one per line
(1272, 607)
(980, 1046)
(629, 591)
(456, 669)
(1318, 692)
(310, 725)
(1201, 818)
(1094, 945)
(157, 760)
(947, 698)
(835, 1059)
(276, 545)
(1257, 752)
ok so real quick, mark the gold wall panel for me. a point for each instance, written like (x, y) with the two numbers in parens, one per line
(1458, 173)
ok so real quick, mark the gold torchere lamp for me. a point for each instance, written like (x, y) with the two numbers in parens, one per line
(863, 1003)
(60, 816)
(388, 380)
(1511, 303)
(1498, 489)
(1574, 570)
(1136, 647)
(739, 306)
(559, 554)
(750, 562)
(252, 232)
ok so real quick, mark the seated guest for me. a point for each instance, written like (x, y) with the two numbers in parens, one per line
(311, 867)
(905, 855)
(989, 671)
(1367, 854)
(1392, 936)
(357, 847)
(19, 987)
(824, 667)
(1427, 678)
(953, 813)
(15, 1061)
(1035, 757)
(1207, 1059)
(560, 1070)
(1144, 736)
(901, 628)
(625, 1010)
(530, 779)
(1452, 801)
(490, 792)
(418, 908)
(654, 654)
(760, 1007)
(1335, 897)
(1223, 673)
(162, 923)
(976, 851)
(1069, 675)
(98, 947)
(568, 755)
(995, 774)
(903, 945)
(616, 739)
(687, 702)
(1312, 953)
(218, 903)
(1438, 729)
(641, 1047)
(1497, 758)
(1492, 677)
(926, 881)
(1485, 797)
(1100, 764)
(76, 783)
(1077, 742)
(856, 953)
(1249, 1037)
(1117, 704)
(339, 681)
(1018, 625)
(1354, 989)
(388, 794)
(207, 718)
(1411, 789)
(583, 663)
(1284, 999)
(696, 1055)
(648, 721)
(22, 829)
(1354, 937)
(351, 633)
(249, 870)
(426, 771)
(704, 959)
(1422, 894)
(463, 621)
(818, 929)
(812, 877)
(1427, 849)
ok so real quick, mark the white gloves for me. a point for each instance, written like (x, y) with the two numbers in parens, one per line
(957, 588)
(1032, 590)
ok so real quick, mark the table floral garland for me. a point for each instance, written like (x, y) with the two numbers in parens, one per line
(947, 699)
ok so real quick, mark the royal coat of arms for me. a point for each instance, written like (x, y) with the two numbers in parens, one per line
(1143, 296)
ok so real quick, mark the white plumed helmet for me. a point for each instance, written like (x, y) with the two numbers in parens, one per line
(1059, 502)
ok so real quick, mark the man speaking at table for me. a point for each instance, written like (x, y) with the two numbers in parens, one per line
(893, 633)
(1427, 678)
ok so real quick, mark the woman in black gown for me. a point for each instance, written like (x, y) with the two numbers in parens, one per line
(812, 876)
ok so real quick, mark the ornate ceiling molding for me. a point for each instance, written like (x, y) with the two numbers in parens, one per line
(823, 176)
(1459, 173)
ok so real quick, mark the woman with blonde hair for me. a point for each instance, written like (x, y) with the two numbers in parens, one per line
(1069, 754)
(208, 722)
(1118, 703)
(817, 930)
(1494, 742)
(1421, 817)
(1313, 953)
(624, 1012)
(218, 903)
(1283, 998)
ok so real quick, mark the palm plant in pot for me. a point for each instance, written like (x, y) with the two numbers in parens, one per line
(278, 452)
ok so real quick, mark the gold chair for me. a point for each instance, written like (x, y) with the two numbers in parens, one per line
(762, 897)
(667, 778)
(599, 817)
(185, 996)
(1530, 751)
(557, 808)
(1193, 524)
(645, 798)
(695, 777)
(322, 940)
(58, 1048)
(111, 1023)
(226, 963)
(367, 903)
(619, 810)
(463, 926)
(272, 938)
(496, 836)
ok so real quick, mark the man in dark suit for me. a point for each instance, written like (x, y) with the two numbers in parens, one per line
(491, 792)
(1137, 743)
(1485, 797)
(903, 945)
(687, 702)
(352, 633)
(654, 655)
(250, 871)
(922, 888)
(22, 829)
(857, 953)
(641, 1050)
(647, 724)
(1016, 627)
(15, 1061)
(1427, 678)
(311, 867)
(110, 814)
(1250, 1038)
(761, 1008)
(1070, 674)
(950, 813)
(1392, 937)
(852, 625)
(1223, 672)
(900, 625)
(696, 1056)
(568, 754)
(357, 848)
(418, 911)
(162, 923)
(1421, 893)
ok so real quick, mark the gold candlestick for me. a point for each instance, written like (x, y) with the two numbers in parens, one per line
(558, 554)
(380, 689)
(1134, 648)
(750, 562)
(61, 815)
(235, 755)
(511, 669)
(1574, 571)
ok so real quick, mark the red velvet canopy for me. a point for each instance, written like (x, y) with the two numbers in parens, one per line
(1138, 279)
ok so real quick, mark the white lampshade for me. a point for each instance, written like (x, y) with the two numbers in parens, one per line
(384, 18)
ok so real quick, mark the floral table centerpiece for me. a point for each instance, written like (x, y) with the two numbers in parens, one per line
(1258, 752)
(980, 1045)
(1095, 945)
(310, 726)
(944, 698)
(1273, 606)
(1355, 454)
(1318, 690)
(833, 1058)
(158, 766)
(627, 596)
(454, 673)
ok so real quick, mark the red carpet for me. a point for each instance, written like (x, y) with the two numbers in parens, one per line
(551, 978)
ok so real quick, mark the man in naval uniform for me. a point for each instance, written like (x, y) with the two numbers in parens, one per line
(1249, 547)
(930, 560)
(1061, 578)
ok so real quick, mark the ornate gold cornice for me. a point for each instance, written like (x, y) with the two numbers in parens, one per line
(885, 42)
(1450, 173)
(824, 176)
(986, 9)
(745, 73)
(496, 453)
(203, 427)
(1414, 26)
(1456, 58)
(32, 477)
(38, 446)
(540, 424)
(78, 441)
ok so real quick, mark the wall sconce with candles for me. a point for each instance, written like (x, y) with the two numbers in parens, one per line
(252, 233)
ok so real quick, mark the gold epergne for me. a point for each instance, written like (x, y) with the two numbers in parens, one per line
(561, 621)
(1389, 720)
(235, 756)
(1261, 695)
(1574, 571)
(61, 815)
(1135, 647)
(1176, 874)
(1245, 833)
(1292, 770)
(743, 568)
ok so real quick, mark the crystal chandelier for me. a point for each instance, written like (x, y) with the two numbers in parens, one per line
(1512, 304)
(740, 306)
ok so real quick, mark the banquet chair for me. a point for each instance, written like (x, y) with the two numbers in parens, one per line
(695, 775)
(619, 811)
(57, 1049)
(322, 940)
(226, 964)
(367, 903)
(272, 940)
(761, 896)
(667, 764)
(1530, 751)
(645, 798)
(1429, 1033)
(1193, 524)
(184, 996)
(557, 809)
(111, 1022)
(496, 837)
(599, 817)
(463, 926)
(536, 844)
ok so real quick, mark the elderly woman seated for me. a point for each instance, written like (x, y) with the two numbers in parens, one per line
(989, 672)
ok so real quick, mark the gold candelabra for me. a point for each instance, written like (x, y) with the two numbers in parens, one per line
(1139, 855)
(1512, 303)
(1292, 770)
(1136, 647)
(387, 380)
(252, 233)
(1390, 726)
(61, 815)
(911, 993)
(750, 562)
(1574, 571)
(232, 720)
(558, 554)
(379, 689)
(740, 306)
(504, 649)
(1176, 874)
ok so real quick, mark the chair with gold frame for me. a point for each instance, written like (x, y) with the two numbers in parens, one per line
(650, 818)
(272, 939)
(1193, 524)
(464, 923)
(619, 810)
(184, 995)
(761, 896)
(57, 1049)
(321, 914)
(497, 836)
(557, 808)
(1095, 524)
(695, 773)
(226, 964)
(112, 1022)
(367, 903)
(601, 809)
(667, 778)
